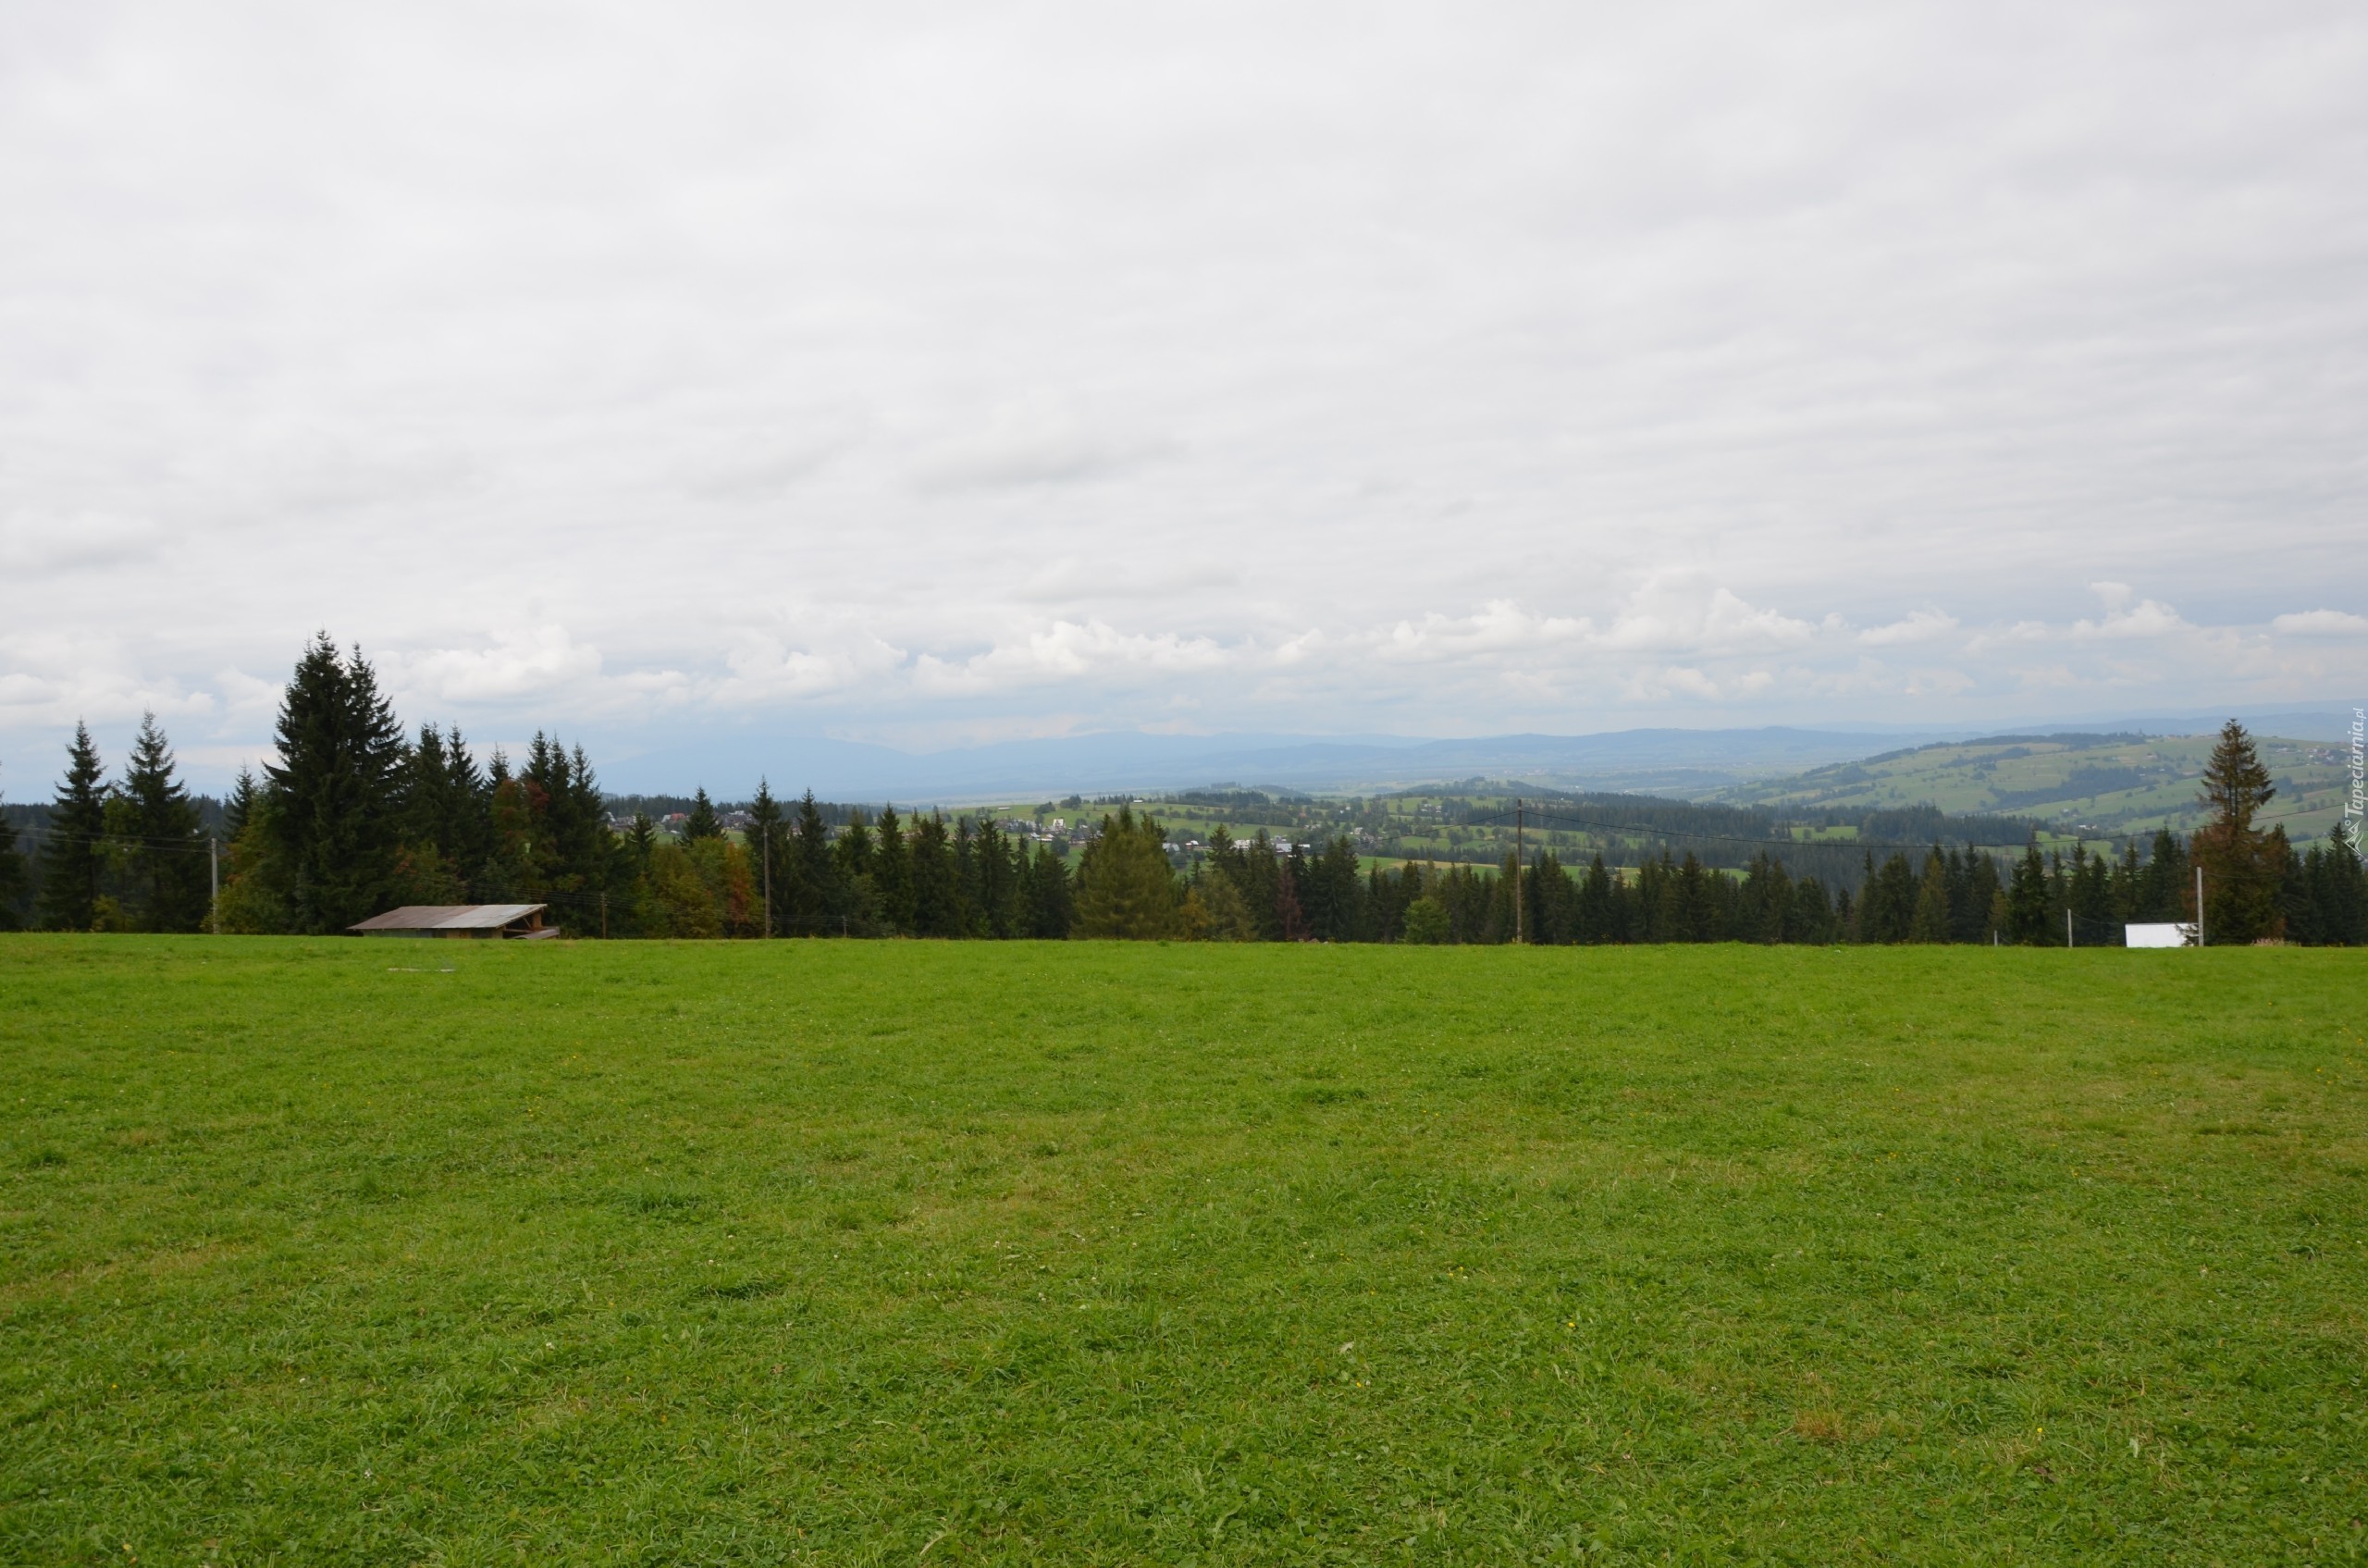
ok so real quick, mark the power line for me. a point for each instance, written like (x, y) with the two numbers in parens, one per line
(154, 842)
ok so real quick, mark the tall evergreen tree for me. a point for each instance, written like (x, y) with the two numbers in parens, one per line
(1931, 921)
(937, 904)
(702, 821)
(1983, 891)
(1815, 919)
(1331, 893)
(1887, 902)
(819, 896)
(2336, 888)
(1596, 896)
(238, 807)
(16, 881)
(2241, 870)
(2089, 897)
(426, 793)
(73, 855)
(1052, 910)
(1124, 888)
(2166, 891)
(769, 859)
(856, 853)
(2026, 902)
(1000, 861)
(164, 846)
(334, 789)
(892, 874)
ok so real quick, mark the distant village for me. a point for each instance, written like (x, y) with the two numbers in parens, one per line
(1057, 834)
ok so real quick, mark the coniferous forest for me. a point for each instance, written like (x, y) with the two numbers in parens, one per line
(355, 815)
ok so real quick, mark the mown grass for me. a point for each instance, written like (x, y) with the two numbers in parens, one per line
(347, 1252)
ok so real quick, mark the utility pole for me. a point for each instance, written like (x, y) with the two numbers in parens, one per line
(214, 874)
(2068, 927)
(767, 831)
(1517, 937)
(2198, 905)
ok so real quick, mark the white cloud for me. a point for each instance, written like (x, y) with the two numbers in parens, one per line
(2320, 624)
(520, 663)
(1066, 651)
(2146, 618)
(1499, 626)
(1673, 611)
(1921, 625)
(1064, 365)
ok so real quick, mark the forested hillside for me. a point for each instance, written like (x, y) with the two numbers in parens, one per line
(355, 815)
(2097, 786)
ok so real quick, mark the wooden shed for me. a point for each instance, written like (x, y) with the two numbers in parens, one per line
(516, 921)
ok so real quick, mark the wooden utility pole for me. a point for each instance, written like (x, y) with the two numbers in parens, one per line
(769, 878)
(1518, 933)
(214, 874)
(2198, 905)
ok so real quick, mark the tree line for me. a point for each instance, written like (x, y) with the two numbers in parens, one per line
(354, 815)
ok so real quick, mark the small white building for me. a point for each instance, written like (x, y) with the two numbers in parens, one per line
(2159, 935)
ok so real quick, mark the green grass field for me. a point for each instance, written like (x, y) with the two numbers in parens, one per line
(386, 1252)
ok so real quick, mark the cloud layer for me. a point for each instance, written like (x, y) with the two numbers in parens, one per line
(926, 375)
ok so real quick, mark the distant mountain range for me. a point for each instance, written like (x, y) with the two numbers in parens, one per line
(1668, 761)
(1682, 763)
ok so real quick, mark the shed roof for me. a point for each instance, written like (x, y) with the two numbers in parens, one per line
(449, 917)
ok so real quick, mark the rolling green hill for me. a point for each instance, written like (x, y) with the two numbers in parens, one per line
(2102, 786)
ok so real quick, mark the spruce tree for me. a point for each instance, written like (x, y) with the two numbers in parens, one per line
(164, 847)
(335, 790)
(2241, 871)
(855, 856)
(73, 857)
(1052, 910)
(2166, 891)
(1290, 921)
(1814, 917)
(1124, 888)
(1931, 920)
(1983, 895)
(892, 874)
(239, 807)
(937, 907)
(1224, 916)
(818, 899)
(702, 821)
(16, 881)
(1000, 859)
(2027, 901)
(1596, 896)
(2089, 896)
(468, 806)
(426, 793)
(1257, 872)
(2340, 889)
(573, 848)
(769, 861)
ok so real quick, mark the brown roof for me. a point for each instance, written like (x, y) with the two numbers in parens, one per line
(449, 917)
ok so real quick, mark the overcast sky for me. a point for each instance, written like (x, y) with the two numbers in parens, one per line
(932, 375)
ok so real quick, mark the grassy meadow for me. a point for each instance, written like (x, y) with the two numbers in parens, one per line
(346, 1251)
